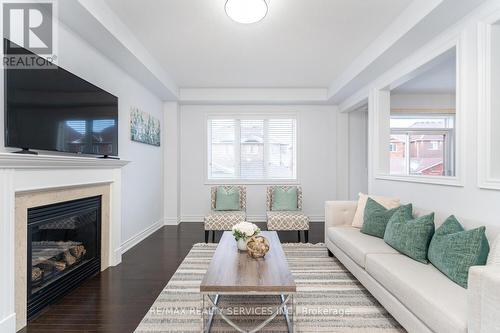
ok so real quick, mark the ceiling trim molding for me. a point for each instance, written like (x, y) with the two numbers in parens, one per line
(95, 22)
(408, 19)
(218, 96)
(393, 48)
(446, 40)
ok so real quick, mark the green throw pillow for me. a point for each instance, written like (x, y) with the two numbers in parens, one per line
(454, 250)
(410, 237)
(284, 199)
(377, 216)
(227, 198)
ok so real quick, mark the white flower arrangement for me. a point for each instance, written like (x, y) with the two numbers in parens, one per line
(245, 230)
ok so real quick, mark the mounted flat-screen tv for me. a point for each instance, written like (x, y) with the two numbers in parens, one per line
(55, 110)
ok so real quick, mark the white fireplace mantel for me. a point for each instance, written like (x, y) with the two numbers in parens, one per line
(26, 161)
(22, 173)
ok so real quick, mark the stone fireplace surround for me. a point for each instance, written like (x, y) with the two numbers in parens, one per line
(28, 181)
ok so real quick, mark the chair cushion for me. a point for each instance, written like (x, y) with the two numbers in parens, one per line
(287, 220)
(410, 237)
(454, 250)
(377, 216)
(425, 291)
(227, 198)
(284, 199)
(356, 244)
(223, 220)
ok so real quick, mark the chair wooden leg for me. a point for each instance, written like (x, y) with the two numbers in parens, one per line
(213, 236)
(207, 232)
(298, 232)
(306, 235)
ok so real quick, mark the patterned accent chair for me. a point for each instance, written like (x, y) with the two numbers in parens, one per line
(287, 220)
(224, 220)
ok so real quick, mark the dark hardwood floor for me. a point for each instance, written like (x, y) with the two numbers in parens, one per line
(117, 299)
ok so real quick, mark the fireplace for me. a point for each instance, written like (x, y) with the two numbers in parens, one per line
(64, 249)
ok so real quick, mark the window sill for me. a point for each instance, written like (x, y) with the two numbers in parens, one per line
(490, 184)
(434, 180)
(252, 182)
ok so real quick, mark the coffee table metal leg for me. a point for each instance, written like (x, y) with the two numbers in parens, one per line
(211, 311)
(235, 326)
(289, 324)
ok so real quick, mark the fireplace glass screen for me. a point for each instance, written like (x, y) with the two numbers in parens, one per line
(63, 247)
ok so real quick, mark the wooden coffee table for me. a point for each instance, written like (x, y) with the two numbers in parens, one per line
(233, 272)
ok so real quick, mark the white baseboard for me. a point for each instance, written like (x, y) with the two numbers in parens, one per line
(191, 218)
(134, 240)
(117, 257)
(317, 218)
(171, 220)
(250, 218)
(8, 324)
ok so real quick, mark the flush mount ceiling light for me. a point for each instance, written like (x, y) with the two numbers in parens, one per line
(246, 11)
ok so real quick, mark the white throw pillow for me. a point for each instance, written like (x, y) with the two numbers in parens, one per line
(494, 255)
(388, 203)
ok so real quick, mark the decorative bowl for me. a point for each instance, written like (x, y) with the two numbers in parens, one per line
(257, 247)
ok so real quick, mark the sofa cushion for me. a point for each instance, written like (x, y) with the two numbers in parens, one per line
(388, 203)
(410, 237)
(377, 216)
(436, 300)
(356, 244)
(494, 255)
(453, 250)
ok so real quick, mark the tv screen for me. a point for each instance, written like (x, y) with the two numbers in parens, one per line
(53, 109)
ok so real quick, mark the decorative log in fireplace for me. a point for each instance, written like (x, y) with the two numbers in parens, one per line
(48, 256)
(64, 249)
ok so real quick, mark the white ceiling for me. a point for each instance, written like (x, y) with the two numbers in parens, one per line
(437, 79)
(301, 43)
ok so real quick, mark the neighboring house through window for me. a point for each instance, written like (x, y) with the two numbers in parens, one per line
(422, 145)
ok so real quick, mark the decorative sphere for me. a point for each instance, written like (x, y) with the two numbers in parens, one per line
(257, 246)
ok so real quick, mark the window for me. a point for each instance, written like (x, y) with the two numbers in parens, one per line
(252, 148)
(423, 145)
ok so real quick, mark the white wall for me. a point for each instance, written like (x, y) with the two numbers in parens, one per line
(142, 178)
(422, 101)
(172, 163)
(358, 153)
(317, 159)
(466, 200)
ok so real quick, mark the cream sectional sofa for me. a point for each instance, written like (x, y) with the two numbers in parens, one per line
(419, 297)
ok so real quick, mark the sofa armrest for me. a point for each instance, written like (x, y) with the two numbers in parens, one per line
(483, 302)
(339, 213)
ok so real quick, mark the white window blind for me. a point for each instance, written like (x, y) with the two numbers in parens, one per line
(256, 148)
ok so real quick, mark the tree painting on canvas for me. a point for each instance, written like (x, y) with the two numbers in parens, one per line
(144, 127)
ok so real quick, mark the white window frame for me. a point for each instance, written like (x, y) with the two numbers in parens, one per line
(245, 116)
(448, 132)
(379, 111)
(486, 92)
(448, 145)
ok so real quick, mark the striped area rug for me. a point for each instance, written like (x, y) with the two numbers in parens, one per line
(329, 298)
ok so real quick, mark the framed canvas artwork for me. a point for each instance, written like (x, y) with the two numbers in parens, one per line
(144, 127)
